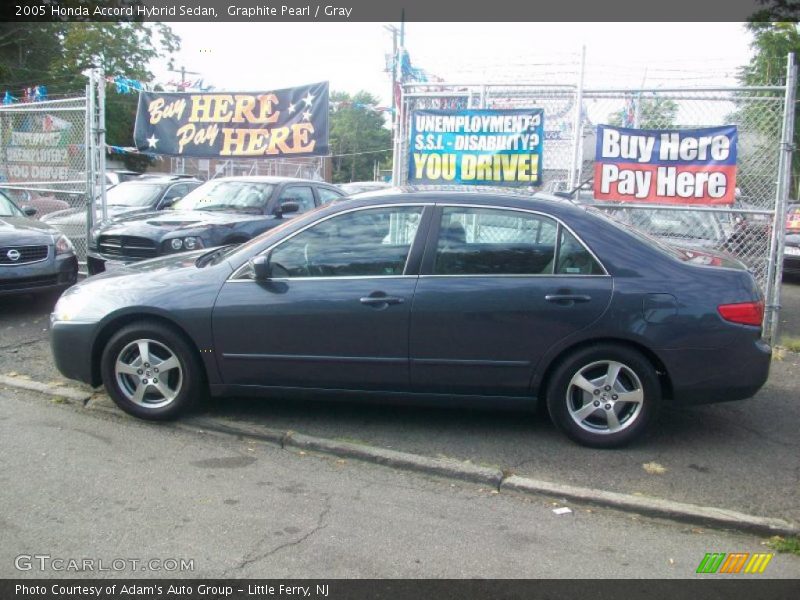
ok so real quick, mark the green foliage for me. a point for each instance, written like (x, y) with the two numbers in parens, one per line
(57, 54)
(789, 545)
(357, 131)
(654, 113)
(772, 42)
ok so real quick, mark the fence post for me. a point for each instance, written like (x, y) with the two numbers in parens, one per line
(100, 79)
(784, 184)
(90, 156)
(577, 150)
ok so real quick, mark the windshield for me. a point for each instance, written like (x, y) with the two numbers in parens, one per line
(7, 208)
(675, 223)
(246, 196)
(133, 194)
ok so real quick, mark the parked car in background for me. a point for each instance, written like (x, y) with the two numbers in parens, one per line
(791, 252)
(228, 210)
(456, 297)
(117, 176)
(44, 203)
(135, 196)
(34, 257)
(356, 187)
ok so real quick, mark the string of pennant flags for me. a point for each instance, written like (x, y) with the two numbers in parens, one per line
(37, 93)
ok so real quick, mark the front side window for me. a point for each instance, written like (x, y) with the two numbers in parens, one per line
(302, 195)
(133, 194)
(370, 242)
(487, 241)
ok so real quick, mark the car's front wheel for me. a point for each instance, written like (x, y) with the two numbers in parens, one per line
(604, 396)
(151, 372)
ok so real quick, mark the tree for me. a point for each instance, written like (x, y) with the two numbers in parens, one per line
(654, 113)
(772, 42)
(358, 137)
(57, 54)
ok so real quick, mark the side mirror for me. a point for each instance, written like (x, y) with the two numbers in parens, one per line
(29, 211)
(262, 270)
(289, 206)
(167, 202)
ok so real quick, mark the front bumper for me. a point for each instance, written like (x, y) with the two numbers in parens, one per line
(53, 274)
(71, 344)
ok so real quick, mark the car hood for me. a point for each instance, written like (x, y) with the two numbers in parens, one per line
(22, 231)
(78, 215)
(165, 221)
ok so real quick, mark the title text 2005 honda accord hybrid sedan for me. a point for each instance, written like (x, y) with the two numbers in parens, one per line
(454, 296)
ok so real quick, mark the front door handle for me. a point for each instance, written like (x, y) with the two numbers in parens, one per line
(381, 300)
(567, 298)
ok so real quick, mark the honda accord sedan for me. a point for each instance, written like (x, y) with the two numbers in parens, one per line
(445, 296)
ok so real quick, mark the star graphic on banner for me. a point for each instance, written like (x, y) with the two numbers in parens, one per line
(292, 108)
(307, 115)
(152, 141)
(308, 99)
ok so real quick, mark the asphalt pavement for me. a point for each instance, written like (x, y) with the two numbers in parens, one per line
(85, 486)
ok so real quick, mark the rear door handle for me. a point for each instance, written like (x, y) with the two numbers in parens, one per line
(566, 298)
(378, 300)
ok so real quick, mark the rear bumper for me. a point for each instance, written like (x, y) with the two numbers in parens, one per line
(736, 372)
(791, 264)
(47, 276)
(71, 345)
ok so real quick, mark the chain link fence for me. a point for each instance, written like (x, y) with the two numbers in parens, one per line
(43, 166)
(751, 229)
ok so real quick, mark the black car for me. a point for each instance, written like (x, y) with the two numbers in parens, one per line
(224, 211)
(34, 257)
(451, 297)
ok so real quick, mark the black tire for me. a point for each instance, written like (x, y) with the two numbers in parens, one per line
(636, 379)
(186, 382)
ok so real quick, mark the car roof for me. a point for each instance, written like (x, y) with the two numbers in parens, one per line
(269, 179)
(504, 197)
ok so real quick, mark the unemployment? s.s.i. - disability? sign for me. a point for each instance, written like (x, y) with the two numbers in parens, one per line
(271, 124)
(682, 166)
(477, 147)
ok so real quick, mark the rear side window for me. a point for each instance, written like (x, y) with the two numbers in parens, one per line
(574, 258)
(485, 241)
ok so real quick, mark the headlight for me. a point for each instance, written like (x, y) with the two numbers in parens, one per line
(187, 243)
(64, 246)
(191, 243)
(68, 307)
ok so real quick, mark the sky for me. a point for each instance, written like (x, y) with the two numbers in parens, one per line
(352, 56)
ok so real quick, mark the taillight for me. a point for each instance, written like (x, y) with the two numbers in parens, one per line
(745, 313)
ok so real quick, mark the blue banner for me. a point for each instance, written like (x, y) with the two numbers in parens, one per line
(477, 147)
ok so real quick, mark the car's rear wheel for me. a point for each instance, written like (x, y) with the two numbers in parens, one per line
(604, 396)
(151, 372)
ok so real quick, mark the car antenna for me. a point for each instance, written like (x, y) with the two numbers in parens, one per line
(570, 194)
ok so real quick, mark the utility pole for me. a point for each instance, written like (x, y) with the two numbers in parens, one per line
(184, 73)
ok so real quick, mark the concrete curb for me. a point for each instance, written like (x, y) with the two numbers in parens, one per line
(654, 507)
(43, 388)
(454, 469)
